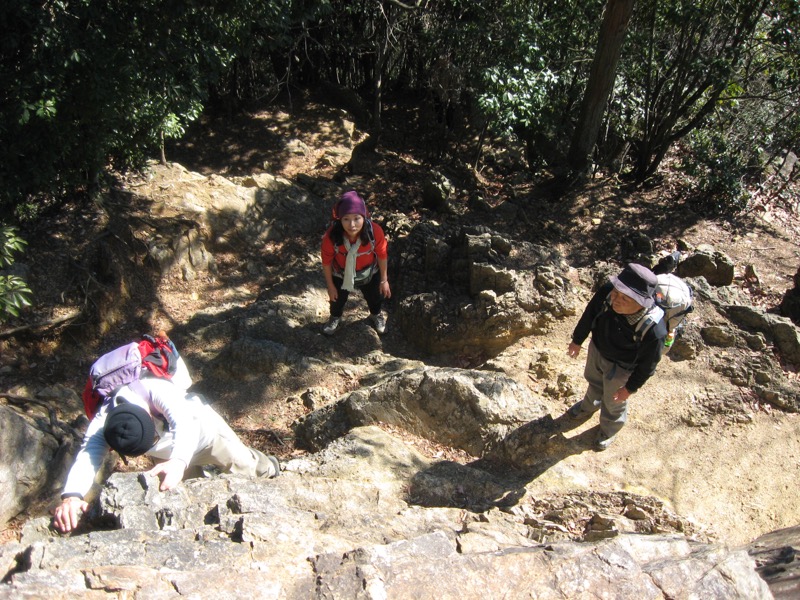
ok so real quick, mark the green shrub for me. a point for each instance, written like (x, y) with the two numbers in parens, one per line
(14, 292)
(718, 172)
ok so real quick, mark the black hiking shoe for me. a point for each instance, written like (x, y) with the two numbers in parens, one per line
(603, 441)
(576, 414)
(667, 264)
(379, 323)
(331, 326)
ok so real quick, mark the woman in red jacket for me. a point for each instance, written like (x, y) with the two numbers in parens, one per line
(354, 255)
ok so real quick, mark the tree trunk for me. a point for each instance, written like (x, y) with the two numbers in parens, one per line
(377, 81)
(601, 81)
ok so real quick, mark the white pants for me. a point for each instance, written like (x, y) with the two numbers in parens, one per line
(227, 452)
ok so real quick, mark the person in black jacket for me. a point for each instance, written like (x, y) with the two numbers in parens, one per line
(628, 335)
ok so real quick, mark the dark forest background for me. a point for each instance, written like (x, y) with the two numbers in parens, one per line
(590, 87)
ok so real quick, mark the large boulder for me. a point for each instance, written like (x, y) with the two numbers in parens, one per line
(715, 266)
(37, 447)
(437, 191)
(177, 248)
(26, 451)
(251, 211)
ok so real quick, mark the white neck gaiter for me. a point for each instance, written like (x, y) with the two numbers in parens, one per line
(350, 264)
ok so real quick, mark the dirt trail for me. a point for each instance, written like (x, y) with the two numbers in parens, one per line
(737, 481)
(733, 479)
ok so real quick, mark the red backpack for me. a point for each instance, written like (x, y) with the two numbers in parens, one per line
(156, 356)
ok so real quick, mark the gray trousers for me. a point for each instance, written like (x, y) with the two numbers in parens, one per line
(605, 378)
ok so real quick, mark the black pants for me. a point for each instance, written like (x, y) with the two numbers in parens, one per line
(371, 291)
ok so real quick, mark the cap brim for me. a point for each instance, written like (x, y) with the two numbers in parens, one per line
(644, 301)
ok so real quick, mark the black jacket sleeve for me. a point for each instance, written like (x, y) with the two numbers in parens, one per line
(590, 313)
(649, 356)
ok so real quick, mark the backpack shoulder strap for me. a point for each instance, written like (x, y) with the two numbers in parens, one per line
(370, 232)
(648, 320)
(137, 387)
(371, 236)
(91, 399)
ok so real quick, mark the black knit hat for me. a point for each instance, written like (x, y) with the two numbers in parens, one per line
(129, 429)
(638, 283)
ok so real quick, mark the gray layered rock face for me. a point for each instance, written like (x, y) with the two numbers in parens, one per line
(341, 525)
(26, 451)
(776, 554)
(36, 448)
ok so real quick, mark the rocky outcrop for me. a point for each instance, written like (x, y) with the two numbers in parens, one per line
(470, 410)
(746, 332)
(776, 556)
(366, 515)
(35, 447)
(473, 290)
(248, 210)
(756, 369)
(26, 452)
(182, 252)
(341, 526)
(715, 266)
(790, 305)
(437, 191)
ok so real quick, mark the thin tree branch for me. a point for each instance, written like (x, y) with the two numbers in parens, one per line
(44, 325)
(402, 5)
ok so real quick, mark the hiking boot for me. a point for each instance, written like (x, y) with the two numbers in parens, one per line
(668, 264)
(378, 322)
(275, 464)
(575, 413)
(331, 326)
(603, 441)
(206, 471)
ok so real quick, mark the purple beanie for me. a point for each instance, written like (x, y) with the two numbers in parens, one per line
(350, 204)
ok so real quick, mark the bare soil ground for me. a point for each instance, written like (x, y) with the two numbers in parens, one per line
(734, 476)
